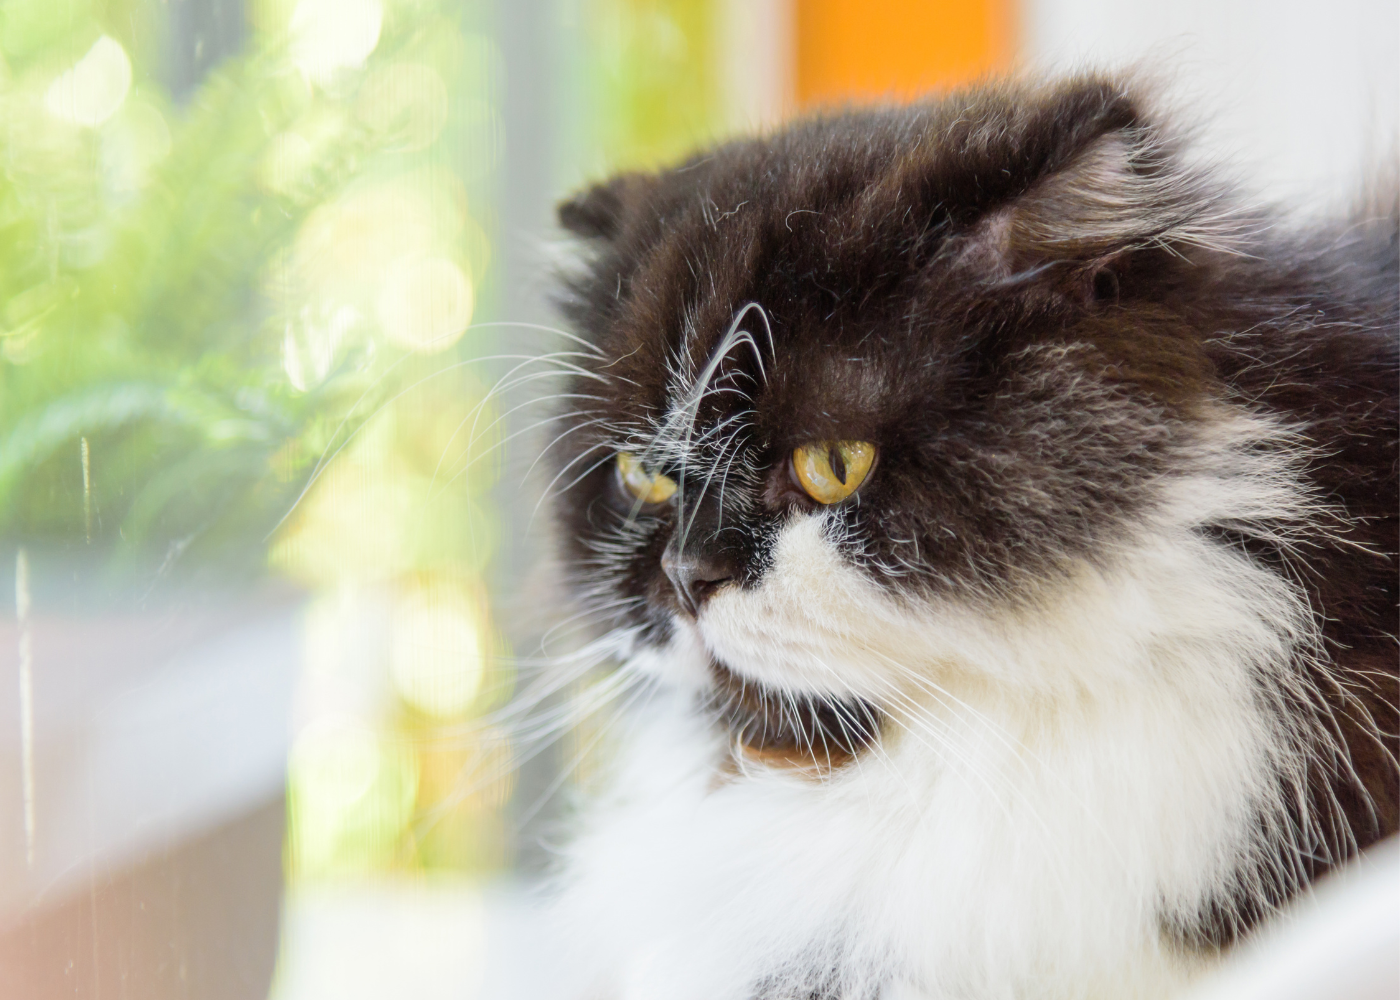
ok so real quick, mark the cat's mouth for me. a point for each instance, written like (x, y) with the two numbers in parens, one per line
(787, 729)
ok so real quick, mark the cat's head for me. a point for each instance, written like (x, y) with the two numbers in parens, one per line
(875, 369)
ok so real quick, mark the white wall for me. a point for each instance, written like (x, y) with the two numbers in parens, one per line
(1302, 94)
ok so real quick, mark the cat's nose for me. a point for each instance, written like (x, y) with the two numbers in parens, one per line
(695, 575)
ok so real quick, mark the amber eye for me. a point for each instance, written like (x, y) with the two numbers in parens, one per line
(830, 471)
(645, 486)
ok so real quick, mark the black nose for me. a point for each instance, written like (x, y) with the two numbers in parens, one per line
(695, 575)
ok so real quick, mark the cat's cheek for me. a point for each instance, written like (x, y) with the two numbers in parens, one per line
(681, 663)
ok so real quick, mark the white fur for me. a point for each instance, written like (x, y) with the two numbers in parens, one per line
(1059, 775)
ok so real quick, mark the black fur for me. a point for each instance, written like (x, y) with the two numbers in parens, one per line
(1032, 306)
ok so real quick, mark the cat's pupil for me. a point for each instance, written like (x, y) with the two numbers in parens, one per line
(838, 464)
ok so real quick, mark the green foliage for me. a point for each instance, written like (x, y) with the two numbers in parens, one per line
(153, 317)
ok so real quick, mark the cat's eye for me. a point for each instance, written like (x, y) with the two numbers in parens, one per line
(830, 471)
(648, 487)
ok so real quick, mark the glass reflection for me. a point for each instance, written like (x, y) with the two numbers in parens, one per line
(256, 411)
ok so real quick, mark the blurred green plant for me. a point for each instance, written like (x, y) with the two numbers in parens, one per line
(653, 73)
(185, 327)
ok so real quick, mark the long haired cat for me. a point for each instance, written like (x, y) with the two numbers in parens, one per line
(1001, 520)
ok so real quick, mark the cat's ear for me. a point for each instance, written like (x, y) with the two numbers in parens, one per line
(598, 212)
(1079, 225)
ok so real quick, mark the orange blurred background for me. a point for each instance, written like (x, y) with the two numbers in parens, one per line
(896, 48)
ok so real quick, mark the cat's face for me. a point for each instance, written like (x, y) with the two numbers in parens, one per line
(870, 373)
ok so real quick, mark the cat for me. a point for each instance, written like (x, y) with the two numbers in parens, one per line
(994, 518)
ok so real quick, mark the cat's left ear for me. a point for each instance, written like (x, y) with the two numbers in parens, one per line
(600, 211)
(1078, 226)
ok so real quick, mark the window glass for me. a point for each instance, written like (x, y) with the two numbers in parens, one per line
(268, 413)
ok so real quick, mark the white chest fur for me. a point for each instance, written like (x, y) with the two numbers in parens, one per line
(966, 873)
(1054, 784)
(988, 850)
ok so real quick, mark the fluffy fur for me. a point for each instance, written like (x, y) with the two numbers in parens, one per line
(1097, 667)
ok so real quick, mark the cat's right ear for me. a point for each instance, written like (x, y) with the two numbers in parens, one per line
(1119, 196)
(598, 213)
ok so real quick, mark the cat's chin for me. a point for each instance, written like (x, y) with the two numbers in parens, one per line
(784, 724)
(774, 727)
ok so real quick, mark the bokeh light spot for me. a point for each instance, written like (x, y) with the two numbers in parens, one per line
(337, 762)
(425, 304)
(351, 795)
(437, 662)
(93, 90)
(333, 35)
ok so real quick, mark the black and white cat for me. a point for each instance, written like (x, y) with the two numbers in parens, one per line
(1004, 521)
